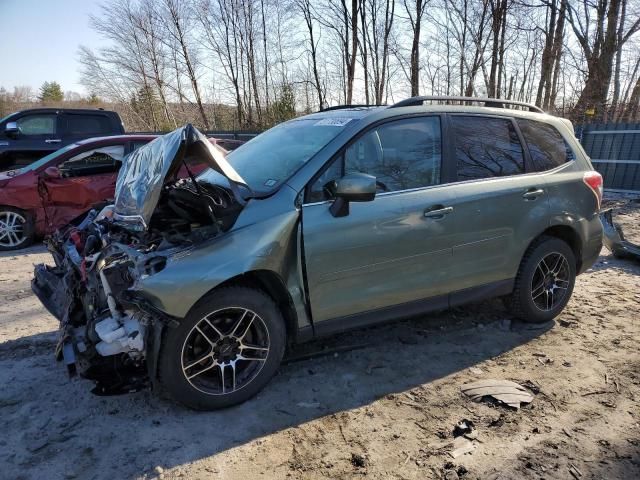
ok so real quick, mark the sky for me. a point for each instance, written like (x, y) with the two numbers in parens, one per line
(40, 40)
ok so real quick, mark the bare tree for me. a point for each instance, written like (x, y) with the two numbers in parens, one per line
(600, 42)
(178, 16)
(376, 33)
(415, 14)
(307, 14)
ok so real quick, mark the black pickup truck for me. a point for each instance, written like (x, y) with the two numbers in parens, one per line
(28, 135)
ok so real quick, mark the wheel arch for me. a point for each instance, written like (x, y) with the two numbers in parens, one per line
(567, 234)
(273, 285)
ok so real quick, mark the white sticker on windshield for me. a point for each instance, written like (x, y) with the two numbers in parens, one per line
(333, 122)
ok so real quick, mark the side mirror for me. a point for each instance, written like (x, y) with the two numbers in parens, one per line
(354, 187)
(12, 129)
(52, 172)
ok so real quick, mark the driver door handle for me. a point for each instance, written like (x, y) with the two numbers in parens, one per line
(53, 140)
(533, 193)
(437, 212)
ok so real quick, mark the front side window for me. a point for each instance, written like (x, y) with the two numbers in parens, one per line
(486, 147)
(138, 143)
(88, 124)
(547, 148)
(37, 124)
(402, 155)
(94, 162)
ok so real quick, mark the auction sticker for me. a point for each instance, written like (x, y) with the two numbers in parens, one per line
(333, 122)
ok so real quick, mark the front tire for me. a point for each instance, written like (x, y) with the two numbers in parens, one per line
(545, 281)
(225, 350)
(16, 229)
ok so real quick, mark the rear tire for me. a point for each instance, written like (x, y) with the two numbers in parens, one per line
(225, 350)
(545, 281)
(16, 229)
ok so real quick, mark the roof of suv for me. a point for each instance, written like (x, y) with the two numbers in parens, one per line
(64, 110)
(415, 105)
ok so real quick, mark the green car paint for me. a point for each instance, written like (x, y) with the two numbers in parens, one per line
(389, 257)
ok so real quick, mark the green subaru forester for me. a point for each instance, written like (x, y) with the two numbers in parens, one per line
(331, 221)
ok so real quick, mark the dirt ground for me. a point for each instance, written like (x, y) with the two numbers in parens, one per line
(379, 403)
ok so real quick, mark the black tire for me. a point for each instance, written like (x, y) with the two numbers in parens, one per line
(22, 235)
(521, 303)
(178, 343)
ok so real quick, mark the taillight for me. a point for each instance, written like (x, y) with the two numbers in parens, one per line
(593, 180)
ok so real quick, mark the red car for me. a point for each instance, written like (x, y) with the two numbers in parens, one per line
(49, 193)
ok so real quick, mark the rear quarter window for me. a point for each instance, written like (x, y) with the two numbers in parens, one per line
(547, 148)
(88, 124)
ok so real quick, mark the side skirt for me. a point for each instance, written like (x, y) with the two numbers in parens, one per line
(412, 309)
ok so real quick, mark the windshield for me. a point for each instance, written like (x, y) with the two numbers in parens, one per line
(44, 160)
(3, 119)
(273, 156)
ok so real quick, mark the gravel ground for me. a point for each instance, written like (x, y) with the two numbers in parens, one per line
(375, 403)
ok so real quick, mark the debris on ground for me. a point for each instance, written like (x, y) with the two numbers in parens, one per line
(358, 460)
(461, 445)
(504, 391)
(453, 472)
(463, 427)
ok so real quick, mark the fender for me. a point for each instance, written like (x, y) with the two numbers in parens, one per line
(269, 245)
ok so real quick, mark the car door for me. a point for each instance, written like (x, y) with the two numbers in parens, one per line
(38, 135)
(393, 250)
(499, 207)
(85, 179)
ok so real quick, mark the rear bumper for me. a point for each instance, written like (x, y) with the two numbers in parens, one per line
(592, 246)
(614, 238)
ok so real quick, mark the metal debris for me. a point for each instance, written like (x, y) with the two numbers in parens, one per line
(505, 391)
(614, 240)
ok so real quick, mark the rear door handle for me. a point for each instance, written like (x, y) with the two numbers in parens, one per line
(52, 140)
(532, 194)
(437, 212)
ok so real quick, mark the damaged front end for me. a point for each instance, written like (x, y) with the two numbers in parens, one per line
(109, 332)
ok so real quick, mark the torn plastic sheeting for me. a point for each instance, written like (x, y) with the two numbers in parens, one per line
(614, 240)
(146, 170)
(505, 391)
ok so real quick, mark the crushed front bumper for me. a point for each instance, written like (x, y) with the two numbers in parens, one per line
(50, 287)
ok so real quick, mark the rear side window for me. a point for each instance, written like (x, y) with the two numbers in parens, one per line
(94, 162)
(547, 148)
(486, 147)
(88, 124)
(137, 145)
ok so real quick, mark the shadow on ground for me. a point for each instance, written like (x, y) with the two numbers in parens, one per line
(55, 425)
(37, 247)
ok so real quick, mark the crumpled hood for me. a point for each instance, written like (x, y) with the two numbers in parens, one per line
(147, 169)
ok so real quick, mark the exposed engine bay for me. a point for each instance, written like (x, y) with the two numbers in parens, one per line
(108, 333)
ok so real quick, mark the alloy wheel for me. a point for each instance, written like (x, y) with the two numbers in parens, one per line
(225, 351)
(550, 281)
(12, 229)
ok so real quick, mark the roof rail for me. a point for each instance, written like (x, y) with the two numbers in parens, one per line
(488, 102)
(340, 107)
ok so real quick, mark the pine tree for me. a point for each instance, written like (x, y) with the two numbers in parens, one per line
(50, 92)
